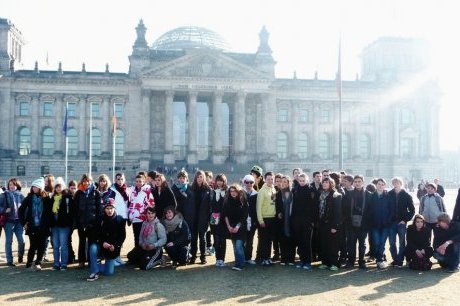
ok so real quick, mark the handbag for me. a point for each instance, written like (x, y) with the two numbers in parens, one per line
(215, 219)
(2, 220)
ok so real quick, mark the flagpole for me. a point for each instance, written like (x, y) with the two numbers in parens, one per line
(339, 76)
(90, 138)
(114, 132)
(66, 144)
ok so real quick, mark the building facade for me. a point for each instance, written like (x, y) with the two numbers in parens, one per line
(186, 99)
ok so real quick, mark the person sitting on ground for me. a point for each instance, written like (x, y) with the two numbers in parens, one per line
(447, 243)
(112, 233)
(178, 236)
(418, 249)
(149, 252)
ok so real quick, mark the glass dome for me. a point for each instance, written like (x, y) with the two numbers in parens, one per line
(190, 37)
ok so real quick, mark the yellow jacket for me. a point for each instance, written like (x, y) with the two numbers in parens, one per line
(266, 203)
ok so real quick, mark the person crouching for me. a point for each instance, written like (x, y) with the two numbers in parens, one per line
(152, 238)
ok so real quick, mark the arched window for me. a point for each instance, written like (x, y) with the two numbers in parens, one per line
(282, 145)
(407, 147)
(96, 142)
(48, 141)
(72, 142)
(302, 145)
(120, 143)
(365, 146)
(324, 146)
(407, 116)
(24, 141)
(346, 146)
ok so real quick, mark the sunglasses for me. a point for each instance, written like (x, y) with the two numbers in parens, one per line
(248, 182)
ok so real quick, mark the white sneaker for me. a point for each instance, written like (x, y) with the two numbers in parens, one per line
(250, 262)
(381, 265)
(38, 267)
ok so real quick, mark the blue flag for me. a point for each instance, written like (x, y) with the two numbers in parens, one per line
(64, 127)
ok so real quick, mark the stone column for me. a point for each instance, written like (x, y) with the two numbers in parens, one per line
(268, 132)
(192, 157)
(107, 109)
(168, 116)
(396, 128)
(239, 128)
(294, 131)
(218, 156)
(36, 132)
(83, 128)
(315, 130)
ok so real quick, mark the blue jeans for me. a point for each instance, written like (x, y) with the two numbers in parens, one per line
(398, 254)
(60, 236)
(238, 250)
(13, 228)
(451, 258)
(380, 236)
(107, 269)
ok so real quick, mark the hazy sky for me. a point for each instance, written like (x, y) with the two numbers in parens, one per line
(303, 34)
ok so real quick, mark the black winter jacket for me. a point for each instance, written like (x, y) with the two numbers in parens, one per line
(66, 213)
(112, 230)
(180, 236)
(237, 214)
(403, 206)
(89, 210)
(304, 206)
(202, 212)
(163, 199)
(185, 204)
(353, 205)
(333, 211)
(25, 215)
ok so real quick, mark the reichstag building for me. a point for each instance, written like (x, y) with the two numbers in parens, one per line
(188, 100)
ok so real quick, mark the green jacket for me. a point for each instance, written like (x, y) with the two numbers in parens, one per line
(266, 203)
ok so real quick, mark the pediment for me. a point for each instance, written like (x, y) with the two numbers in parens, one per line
(204, 64)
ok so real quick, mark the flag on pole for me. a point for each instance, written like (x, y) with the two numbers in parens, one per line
(65, 127)
(114, 126)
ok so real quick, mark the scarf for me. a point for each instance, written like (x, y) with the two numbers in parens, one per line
(57, 200)
(182, 187)
(322, 203)
(149, 228)
(122, 190)
(37, 210)
(172, 224)
(286, 196)
(220, 193)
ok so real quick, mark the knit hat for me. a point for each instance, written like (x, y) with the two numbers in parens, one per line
(432, 185)
(39, 183)
(257, 170)
(248, 178)
(109, 202)
(60, 181)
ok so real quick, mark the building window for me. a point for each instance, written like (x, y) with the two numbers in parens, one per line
(325, 116)
(346, 116)
(72, 109)
(283, 115)
(45, 170)
(48, 109)
(24, 109)
(346, 146)
(407, 116)
(96, 142)
(365, 118)
(72, 142)
(303, 116)
(364, 146)
(119, 110)
(47, 141)
(369, 173)
(324, 146)
(95, 110)
(407, 147)
(21, 171)
(24, 141)
(302, 145)
(120, 143)
(282, 145)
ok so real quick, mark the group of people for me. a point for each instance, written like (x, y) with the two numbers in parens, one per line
(325, 220)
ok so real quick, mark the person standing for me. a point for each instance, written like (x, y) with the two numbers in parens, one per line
(216, 222)
(431, 206)
(440, 189)
(266, 213)
(315, 186)
(162, 195)
(284, 199)
(35, 214)
(330, 218)
(140, 198)
(121, 198)
(13, 224)
(404, 211)
(251, 197)
(256, 173)
(235, 215)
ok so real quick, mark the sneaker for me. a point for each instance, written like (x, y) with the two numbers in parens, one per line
(92, 277)
(291, 264)
(282, 263)
(119, 262)
(323, 267)
(220, 263)
(152, 263)
(64, 268)
(38, 267)
(10, 264)
(349, 265)
(334, 268)
(81, 264)
(270, 262)
(454, 270)
(28, 265)
(250, 262)
(237, 268)
(300, 265)
(203, 260)
(45, 259)
(20, 260)
(381, 265)
(306, 267)
(265, 263)
(56, 268)
(192, 260)
(362, 265)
